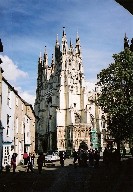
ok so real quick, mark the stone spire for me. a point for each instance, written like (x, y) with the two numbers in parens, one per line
(52, 63)
(1, 46)
(57, 45)
(40, 64)
(126, 42)
(45, 58)
(77, 48)
(57, 51)
(64, 42)
(71, 47)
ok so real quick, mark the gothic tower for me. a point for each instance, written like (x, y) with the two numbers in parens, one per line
(61, 104)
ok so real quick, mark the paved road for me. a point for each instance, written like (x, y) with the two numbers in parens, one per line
(70, 179)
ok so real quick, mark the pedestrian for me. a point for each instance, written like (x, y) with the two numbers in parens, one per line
(75, 157)
(62, 158)
(91, 158)
(13, 162)
(32, 159)
(96, 157)
(40, 162)
(124, 152)
(25, 156)
(30, 163)
(106, 156)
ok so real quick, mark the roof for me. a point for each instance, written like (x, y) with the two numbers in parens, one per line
(16, 92)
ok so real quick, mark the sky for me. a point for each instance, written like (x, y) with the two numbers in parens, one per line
(26, 27)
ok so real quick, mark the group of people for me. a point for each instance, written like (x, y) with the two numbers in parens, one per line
(86, 157)
(29, 162)
(111, 156)
(83, 157)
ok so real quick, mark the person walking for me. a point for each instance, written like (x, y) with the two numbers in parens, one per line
(62, 158)
(75, 157)
(25, 156)
(40, 162)
(32, 159)
(13, 162)
(30, 163)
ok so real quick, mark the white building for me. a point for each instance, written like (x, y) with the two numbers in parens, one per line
(62, 106)
(7, 120)
(17, 133)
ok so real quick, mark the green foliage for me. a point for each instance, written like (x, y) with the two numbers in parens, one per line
(116, 98)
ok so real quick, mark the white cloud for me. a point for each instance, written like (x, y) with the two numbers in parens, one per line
(29, 98)
(11, 71)
(90, 86)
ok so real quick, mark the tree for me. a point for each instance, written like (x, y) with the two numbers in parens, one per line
(116, 98)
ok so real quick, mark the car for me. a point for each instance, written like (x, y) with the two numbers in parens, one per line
(52, 157)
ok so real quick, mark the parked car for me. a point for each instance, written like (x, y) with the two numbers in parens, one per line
(49, 157)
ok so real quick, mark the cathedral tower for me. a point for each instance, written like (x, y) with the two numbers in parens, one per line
(61, 104)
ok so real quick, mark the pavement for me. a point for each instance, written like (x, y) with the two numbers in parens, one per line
(54, 178)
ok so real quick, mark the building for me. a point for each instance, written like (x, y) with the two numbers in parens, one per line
(62, 106)
(1, 128)
(17, 124)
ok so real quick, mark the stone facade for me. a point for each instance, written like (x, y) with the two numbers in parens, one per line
(18, 123)
(62, 105)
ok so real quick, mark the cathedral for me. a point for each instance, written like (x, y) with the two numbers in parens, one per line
(62, 105)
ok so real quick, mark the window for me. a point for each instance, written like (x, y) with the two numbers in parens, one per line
(9, 98)
(16, 124)
(6, 155)
(28, 134)
(8, 125)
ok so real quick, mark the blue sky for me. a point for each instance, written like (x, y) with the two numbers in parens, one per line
(28, 26)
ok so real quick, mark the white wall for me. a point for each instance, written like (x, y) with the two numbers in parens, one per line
(8, 140)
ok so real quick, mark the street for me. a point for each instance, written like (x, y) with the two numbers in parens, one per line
(55, 178)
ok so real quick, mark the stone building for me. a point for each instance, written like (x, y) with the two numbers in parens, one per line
(18, 123)
(62, 105)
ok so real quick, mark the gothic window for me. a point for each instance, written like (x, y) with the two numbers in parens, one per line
(77, 118)
(50, 99)
(65, 64)
(8, 125)
(28, 134)
(79, 66)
